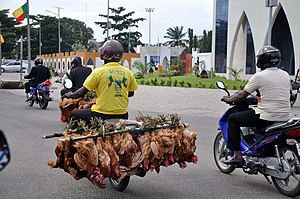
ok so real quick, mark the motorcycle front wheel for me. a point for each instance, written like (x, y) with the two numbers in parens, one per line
(43, 102)
(293, 99)
(221, 153)
(120, 185)
(30, 102)
(290, 186)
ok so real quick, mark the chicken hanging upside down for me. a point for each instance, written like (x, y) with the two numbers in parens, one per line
(123, 154)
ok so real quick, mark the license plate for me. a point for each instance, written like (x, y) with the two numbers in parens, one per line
(298, 148)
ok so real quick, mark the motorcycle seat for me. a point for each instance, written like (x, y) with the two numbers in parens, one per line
(275, 125)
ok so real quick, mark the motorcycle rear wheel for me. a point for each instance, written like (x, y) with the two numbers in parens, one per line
(120, 185)
(43, 102)
(222, 153)
(290, 186)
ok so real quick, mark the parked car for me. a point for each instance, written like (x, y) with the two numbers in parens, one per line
(13, 66)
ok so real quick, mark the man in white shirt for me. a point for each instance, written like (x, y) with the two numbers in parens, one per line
(274, 105)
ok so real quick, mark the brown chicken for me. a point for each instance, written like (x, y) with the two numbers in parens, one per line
(130, 154)
(104, 158)
(86, 155)
(144, 142)
(86, 104)
(66, 106)
(114, 158)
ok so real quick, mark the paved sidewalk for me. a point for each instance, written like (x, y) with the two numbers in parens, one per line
(192, 101)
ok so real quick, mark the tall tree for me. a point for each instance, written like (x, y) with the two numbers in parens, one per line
(176, 36)
(205, 42)
(122, 23)
(8, 31)
(191, 39)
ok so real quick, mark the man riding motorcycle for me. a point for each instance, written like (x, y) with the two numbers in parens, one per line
(77, 75)
(37, 75)
(113, 85)
(273, 85)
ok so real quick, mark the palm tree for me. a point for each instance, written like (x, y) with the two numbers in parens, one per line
(176, 36)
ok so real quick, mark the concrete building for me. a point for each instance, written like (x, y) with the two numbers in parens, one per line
(240, 29)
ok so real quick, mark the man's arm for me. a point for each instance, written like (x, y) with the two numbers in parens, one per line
(237, 97)
(77, 94)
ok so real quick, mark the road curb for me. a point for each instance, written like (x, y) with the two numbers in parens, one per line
(7, 84)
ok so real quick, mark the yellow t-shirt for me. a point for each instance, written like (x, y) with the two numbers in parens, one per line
(111, 82)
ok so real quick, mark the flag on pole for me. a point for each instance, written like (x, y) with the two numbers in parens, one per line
(1, 39)
(21, 13)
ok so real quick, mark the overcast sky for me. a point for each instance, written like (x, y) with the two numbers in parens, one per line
(195, 14)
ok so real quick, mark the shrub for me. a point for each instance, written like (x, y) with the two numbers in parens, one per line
(138, 75)
(147, 82)
(189, 84)
(175, 82)
(181, 83)
(154, 81)
(162, 82)
(169, 83)
(142, 82)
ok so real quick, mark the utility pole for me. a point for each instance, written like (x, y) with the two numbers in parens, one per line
(58, 15)
(28, 38)
(21, 58)
(107, 37)
(40, 40)
(149, 10)
(0, 52)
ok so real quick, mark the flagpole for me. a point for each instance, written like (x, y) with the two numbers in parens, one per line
(28, 38)
(0, 51)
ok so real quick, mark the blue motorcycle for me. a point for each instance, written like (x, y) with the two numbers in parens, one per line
(40, 94)
(4, 152)
(273, 151)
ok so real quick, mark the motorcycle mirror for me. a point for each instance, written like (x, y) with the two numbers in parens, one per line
(4, 151)
(220, 85)
(68, 84)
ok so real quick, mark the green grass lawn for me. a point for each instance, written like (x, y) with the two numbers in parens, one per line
(191, 81)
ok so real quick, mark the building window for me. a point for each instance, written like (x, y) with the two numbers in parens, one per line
(282, 39)
(250, 53)
(221, 36)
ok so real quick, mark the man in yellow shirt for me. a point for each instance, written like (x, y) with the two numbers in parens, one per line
(113, 84)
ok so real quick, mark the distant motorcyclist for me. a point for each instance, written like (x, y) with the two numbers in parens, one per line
(77, 75)
(274, 87)
(37, 75)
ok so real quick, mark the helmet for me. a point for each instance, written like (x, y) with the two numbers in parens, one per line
(38, 61)
(268, 56)
(111, 50)
(76, 61)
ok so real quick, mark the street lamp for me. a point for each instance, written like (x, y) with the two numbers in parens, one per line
(149, 10)
(58, 15)
(270, 4)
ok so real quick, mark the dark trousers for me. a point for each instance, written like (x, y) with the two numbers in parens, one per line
(87, 114)
(236, 120)
(27, 86)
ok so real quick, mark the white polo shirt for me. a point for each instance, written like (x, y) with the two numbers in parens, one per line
(274, 86)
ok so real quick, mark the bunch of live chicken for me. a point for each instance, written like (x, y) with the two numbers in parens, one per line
(116, 155)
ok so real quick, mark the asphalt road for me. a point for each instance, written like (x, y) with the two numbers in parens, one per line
(29, 176)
